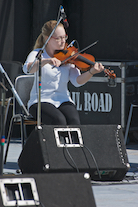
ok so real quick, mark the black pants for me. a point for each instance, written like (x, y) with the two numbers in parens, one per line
(66, 114)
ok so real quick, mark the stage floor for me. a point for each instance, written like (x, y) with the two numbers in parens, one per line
(106, 194)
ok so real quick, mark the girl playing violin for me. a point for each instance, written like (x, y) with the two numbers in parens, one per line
(57, 107)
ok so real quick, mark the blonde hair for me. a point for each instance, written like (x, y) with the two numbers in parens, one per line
(46, 31)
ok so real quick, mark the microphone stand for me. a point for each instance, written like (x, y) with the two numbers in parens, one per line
(2, 127)
(14, 92)
(38, 57)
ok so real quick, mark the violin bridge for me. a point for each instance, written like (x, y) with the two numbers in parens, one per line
(73, 53)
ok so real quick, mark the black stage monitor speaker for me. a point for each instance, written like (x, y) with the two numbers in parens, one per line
(46, 190)
(96, 149)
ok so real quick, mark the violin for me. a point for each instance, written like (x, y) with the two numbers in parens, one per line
(82, 61)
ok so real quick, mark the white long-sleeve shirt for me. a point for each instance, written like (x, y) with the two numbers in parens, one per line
(54, 81)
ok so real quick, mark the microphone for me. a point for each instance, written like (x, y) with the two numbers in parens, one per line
(63, 14)
(71, 44)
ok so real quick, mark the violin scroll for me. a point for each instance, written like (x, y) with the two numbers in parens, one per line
(110, 73)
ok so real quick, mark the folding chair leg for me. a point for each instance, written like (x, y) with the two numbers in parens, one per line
(7, 110)
(8, 139)
(22, 132)
(25, 133)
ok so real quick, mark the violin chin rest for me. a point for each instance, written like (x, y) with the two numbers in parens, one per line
(62, 51)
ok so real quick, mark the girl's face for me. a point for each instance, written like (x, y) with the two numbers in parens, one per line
(57, 41)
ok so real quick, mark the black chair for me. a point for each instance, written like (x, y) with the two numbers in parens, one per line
(23, 86)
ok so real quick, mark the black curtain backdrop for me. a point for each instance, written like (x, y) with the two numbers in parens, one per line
(113, 23)
(6, 29)
(15, 29)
